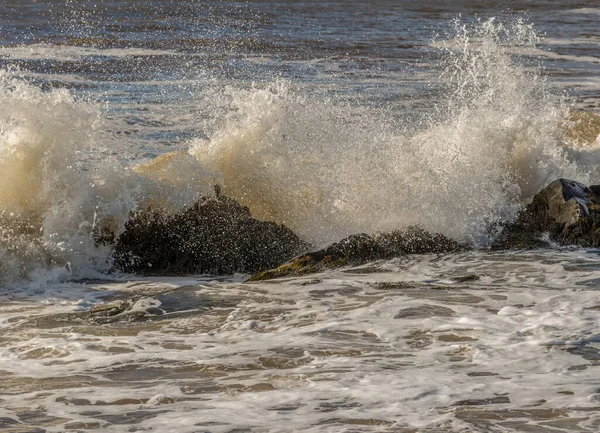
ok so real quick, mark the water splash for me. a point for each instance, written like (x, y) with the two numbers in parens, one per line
(489, 143)
(60, 181)
(325, 168)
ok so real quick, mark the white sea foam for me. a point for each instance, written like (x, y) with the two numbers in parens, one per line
(584, 11)
(60, 179)
(326, 352)
(71, 53)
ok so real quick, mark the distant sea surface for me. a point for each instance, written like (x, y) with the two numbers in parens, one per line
(145, 57)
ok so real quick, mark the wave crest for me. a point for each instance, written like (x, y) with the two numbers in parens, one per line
(490, 142)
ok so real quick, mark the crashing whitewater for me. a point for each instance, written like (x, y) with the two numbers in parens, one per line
(326, 169)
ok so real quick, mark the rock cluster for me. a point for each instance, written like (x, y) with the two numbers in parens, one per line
(219, 236)
(566, 212)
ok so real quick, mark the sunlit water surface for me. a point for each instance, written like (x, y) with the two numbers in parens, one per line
(333, 118)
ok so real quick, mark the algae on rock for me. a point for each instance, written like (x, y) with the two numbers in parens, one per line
(362, 248)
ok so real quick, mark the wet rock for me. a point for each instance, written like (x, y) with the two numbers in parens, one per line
(362, 248)
(113, 312)
(483, 401)
(565, 212)
(215, 236)
(6, 422)
(465, 278)
(185, 301)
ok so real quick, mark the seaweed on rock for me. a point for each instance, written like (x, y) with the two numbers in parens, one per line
(362, 248)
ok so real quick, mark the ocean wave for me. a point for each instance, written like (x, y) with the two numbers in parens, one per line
(61, 179)
(324, 168)
(327, 169)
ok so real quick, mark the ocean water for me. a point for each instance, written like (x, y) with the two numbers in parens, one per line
(332, 118)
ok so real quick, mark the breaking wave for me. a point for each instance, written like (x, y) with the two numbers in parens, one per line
(325, 169)
(328, 170)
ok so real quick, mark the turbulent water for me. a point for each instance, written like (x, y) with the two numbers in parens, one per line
(332, 118)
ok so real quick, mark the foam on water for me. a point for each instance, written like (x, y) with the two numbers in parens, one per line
(393, 346)
(42, 138)
(60, 180)
(65, 53)
(584, 11)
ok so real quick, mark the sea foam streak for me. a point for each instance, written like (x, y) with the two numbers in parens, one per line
(324, 168)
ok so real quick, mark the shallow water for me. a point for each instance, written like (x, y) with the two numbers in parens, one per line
(468, 342)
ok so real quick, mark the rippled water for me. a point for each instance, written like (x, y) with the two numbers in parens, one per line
(333, 118)
(469, 342)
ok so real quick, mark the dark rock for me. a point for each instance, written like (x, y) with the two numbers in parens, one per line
(362, 248)
(216, 236)
(483, 401)
(219, 236)
(565, 212)
(465, 278)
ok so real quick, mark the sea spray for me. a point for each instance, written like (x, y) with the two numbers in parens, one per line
(43, 136)
(293, 155)
(61, 183)
(328, 169)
